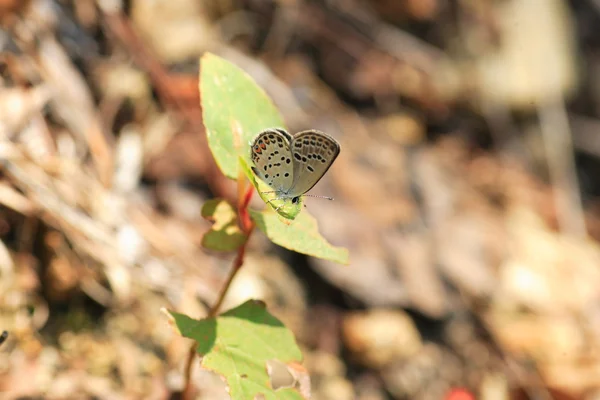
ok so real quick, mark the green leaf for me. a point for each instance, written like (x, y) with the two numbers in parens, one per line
(238, 345)
(234, 109)
(225, 234)
(285, 208)
(301, 235)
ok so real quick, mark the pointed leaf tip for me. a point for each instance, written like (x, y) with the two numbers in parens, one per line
(301, 235)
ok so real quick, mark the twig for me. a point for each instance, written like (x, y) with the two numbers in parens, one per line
(178, 92)
(539, 389)
(585, 138)
(556, 133)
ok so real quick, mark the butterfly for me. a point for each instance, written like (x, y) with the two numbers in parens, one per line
(292, 164)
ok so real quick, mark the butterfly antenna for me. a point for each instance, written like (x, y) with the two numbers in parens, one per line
(320, 197)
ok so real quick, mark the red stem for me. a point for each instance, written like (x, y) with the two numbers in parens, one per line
(245, 221)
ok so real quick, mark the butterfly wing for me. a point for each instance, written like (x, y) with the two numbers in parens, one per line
(285, 133)
(272, 158)
(313, 153)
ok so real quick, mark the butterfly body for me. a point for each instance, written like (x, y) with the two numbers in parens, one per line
(292, 164)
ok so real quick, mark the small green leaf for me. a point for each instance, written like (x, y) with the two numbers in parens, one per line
(234, 109)
(238, 344)
(224, 235)
(285, 208)
(301, 235)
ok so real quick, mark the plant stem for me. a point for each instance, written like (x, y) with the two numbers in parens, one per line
(247, 226)
(237, 264)
(187, 390)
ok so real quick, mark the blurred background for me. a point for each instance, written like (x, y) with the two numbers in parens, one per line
(467, 192)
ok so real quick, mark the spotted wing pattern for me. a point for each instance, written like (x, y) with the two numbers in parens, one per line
(272, 158)
(313, 152)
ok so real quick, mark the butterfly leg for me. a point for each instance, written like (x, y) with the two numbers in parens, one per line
(271, 201)
(276, 198)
